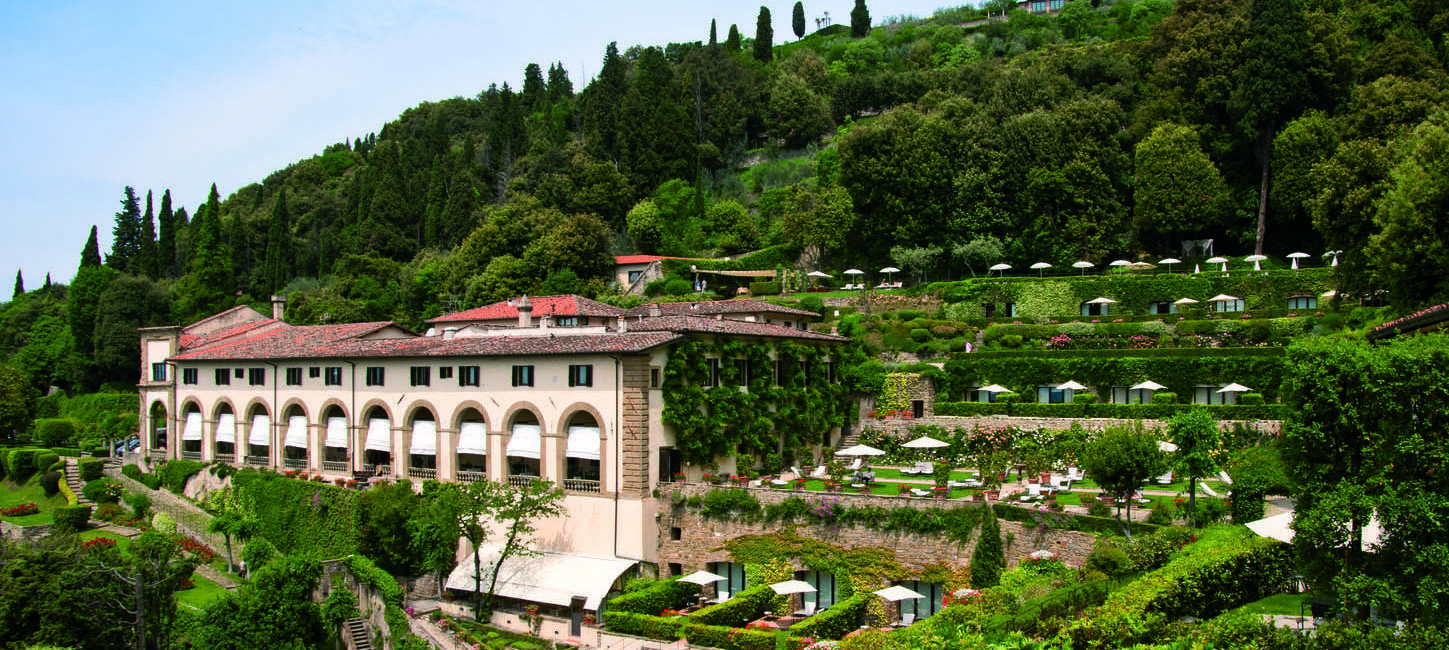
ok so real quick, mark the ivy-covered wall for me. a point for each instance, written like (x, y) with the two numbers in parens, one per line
(1180, 370)
(713, 422)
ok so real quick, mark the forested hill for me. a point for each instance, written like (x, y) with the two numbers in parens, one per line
(945, 143)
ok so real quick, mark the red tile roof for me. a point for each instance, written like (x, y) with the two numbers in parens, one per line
(701, 324)
(196, 340)
(542, 306)
(1420, 319)
(712, 307)
(643, 259)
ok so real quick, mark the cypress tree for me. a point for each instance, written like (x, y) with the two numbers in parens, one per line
(91, 253)
(533, 88)
(166, 241)
(797, 20)
(859, 20)
(559, 86)
(1275, 83)
(764, 37)
(150, 263)
(19, 285)
(126, 235)
(277, 268)
(212, 261)
(732, 42)
(988, 560)
(713, 35)
(47, 282)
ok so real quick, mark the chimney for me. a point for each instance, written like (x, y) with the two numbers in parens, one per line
(279, 307)
(525, 312)
(623, 325)
(449, 333)
(654, 310)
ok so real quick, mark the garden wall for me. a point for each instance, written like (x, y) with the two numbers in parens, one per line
(190, 519)
(702, 540)
(903, 428)
(24, 533)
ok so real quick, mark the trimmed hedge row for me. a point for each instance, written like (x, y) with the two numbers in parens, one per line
(645, 625)
(68, 452)
(1119, 411)
(133, 472)
(764, 288)
(71, 518)
(727, 638)
(20, 463)
(840, 619)
(1181, 374)
(662, 595)
(746, 605)
(90, 468)
(1089, 523)
(1193, 353)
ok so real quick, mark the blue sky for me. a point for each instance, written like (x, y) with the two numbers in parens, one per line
(100, 95)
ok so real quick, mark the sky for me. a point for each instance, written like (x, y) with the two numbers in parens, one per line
(156, 95)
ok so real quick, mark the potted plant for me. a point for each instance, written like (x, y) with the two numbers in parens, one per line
(679, 477)
(903, 489)
(940, 492)
(799, 483)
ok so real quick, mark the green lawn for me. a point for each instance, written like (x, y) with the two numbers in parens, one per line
(204, 593)
(122, 542)
(1278, 605)
(29, 492)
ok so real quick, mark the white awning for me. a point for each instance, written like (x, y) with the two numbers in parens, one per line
(226, 428)
(425, 438)
(297, 431)
(337, 432)
(548, 577)
(583, 443)
(261, 433)
(193, 426)
(473, 438)
(379, 435)
(526, 442)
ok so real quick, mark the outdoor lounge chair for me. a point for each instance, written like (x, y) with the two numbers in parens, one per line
(1165, 479)
(859, 462)
(819, 472)
(907, 620)
(807, 611)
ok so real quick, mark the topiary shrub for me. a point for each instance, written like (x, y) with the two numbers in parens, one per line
(764, 288)
(108, 512)
(1164, 397)
(1110, 560)
(20, 463)
(920, 335)
(1011, 341)
(71, 518)
(103, 490)
(50, 483)
(90, 469)
(1084, 398)
(131, 471)
(44, 459)
(174, 473)
(164, 524)
(1251, 399)
(54, 432)
(139, 503)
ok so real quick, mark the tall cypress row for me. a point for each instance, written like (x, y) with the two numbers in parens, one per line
(764, 37)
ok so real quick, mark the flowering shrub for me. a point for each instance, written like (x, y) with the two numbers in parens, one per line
(201, 551)
(99, 542)
(186, 583)
(20, 510)
(669, 611)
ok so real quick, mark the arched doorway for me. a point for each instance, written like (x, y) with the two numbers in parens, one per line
(190, 431)
(472, 450)
(423, 445)
(336, 450)
(525, 446)
(259, 437)
(295, 453)
(224, 447)
(156, 436)
(377, 448)
(581, 454)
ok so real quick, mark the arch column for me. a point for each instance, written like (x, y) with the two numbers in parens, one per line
(551, 456)
(208, 440)
(497, 448)
(316, 450)
(447, 454)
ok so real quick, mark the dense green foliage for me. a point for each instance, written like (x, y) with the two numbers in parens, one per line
(988, 559)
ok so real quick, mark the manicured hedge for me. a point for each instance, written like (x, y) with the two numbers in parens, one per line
(1180, 373)
(20, 463)
(90, 468)
(301, 517)
(746, 605)
(727, 638)
(653, 627)
(68, 452)
(103, 490)
(1150, 353)
(44, 459)
(764, 288)
(1105, 525)
(71, 518)
(70, 497)
(174, 473)
(50, 483)
(1118, 411)
(133, 472)
(54, 431)
(662, 595)
(840, 619)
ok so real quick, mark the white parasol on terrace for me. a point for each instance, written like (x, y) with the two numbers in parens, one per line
(854, 272)
(1235, 388)
(995, 388)
(888, 271)
(860, 450)
(897, 592)
(1148, 385)
(1040, 268)
(1334, 255)
(702, 578)
(1120, 263)
(1218, 260)
(1169, 262)
(998, 268)
(1166, 447)
(926, 442)
(1257, 261)
(1295, 257)
(1071, 385)
(1102, 301)
(792, 587)
(1223, 297)
(1329, 294)
(1083, 265)
(817, 275)
(1184, 301)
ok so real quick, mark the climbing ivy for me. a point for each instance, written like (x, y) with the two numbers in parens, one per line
(722, 420)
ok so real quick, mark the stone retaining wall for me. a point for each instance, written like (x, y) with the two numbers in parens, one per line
(24, 533)
(901, 428)
(702, 540)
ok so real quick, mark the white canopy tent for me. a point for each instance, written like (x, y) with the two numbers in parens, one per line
(192, 431)
(296, 432)
(526, 441)
(546, 577)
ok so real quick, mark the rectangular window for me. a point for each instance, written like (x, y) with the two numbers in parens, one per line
(742, 372)
(445, 372)
(257, 376)
(713, 378)
(158, 372)
(777, 372)
(1302, 302)
(314, 372)
(421, 375)
(469, 376)
(294, 376)
(240, 373)
(634, 276)
(223, 376)
(522, 376)
(376, 376)
(189, 376)
(568, 321)
(654, 377)
(581, 375)
(333, 376)
(1050, 395)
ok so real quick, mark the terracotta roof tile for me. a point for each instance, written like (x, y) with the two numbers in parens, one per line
(702, 324)
(542, 306)
(712, 307)
(643, 259)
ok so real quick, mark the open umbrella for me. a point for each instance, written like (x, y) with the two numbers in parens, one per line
(1329, 294)
(1040, 268)
(995, 388)
(1141, 265)
(888, 271)
(1120, 263)
(792, 587)
(1071, 385)
(1218, 260)
(1083, 265)
(1295, 257)
(896, 593)
(1184, 301)
(926, 442)
(701, 578)
(1235, 388)
(860, 450)
(1169, 262)
(817, 275)
(1257, 261)
(999, 267)
(1148, 385)
(854, 272)
(1102, 301)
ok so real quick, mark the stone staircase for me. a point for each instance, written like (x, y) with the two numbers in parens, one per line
(72, 480)
(355, 630)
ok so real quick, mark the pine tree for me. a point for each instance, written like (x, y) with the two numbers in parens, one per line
(277, 268)
(166, 241)
(19, 285)
(859, 20)
(559, 86)
(126, 235)
(732, 42)
(437, 202)
(713, 33)
(150, 264)
(91, 253)
(764, 37)
(241, 252)
(533, 88)
(988, 560)
(212, 261)
(797, 20)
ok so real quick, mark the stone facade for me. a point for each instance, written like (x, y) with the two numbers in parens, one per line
(701, 540)
(634, 425)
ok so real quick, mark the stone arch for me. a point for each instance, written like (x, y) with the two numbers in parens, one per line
(189, 404)
(297, 404)
(258, 403)
(460, 414)
(223, 402)
(159, 432)
(419, 407)
(370, 409)
(579, 408)
(519, 408)
(327, 409)
(524, 413)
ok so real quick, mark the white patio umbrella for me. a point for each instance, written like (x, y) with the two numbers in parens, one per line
(792, 587)
(1165, 446)
(1235, 388)
(1257, 261)
(1218, 260)
(1169, 262)
(897, 592)
(1102, 301)
(1071, 385)
(860, 450)
(1083, 265)
(854, 272)
(1148, 385)
(1184, 301)
(1223, 297)
(1040, 268)
(1295, 257)
(702, 578)
(995, 388)
(888, 271)
(1329, 294)
(926, 442)
(999, 267)
(817, 275)
(1141, 265)
(1120, 263)
(1334, 255)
